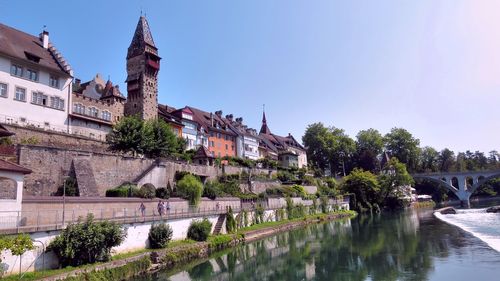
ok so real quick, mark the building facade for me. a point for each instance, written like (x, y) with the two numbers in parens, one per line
(221, 139)
(289, 151)
(35, 81)
(95, 107)
(190, 133)
(143, 65)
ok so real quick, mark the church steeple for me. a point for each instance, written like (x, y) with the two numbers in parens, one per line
(143, 65)
(264, 129)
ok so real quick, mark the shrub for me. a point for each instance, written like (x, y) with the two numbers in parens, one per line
(285, 176)
(163, 193)
(324, 204)
(124, 272)
(230, 221)
(199, 230)
(71, 186)
(299, 190)
(259, 214)
(147, 191)
(159, 235)
(124, 190)
(87, 242)
(190, 188)
(231, 187)
(212, 190)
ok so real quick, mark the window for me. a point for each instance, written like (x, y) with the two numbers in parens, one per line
(93, 112)
(227, 147)
(20, 94)
(232, 147)
(16, 70)
(3, 90)
(57, 103)
(78, 108)
(39, 98)
(218, 135)
(54, 81)
(106, 115)
(211, 134)
(32, 75)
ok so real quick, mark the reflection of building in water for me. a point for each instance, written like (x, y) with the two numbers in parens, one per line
(310, 270)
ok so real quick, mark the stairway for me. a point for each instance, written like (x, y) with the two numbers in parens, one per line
(218, 225)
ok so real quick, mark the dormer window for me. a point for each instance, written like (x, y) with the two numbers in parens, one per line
(32, 57)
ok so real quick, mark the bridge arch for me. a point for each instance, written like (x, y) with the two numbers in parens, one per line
(482, 180)
(439, 182)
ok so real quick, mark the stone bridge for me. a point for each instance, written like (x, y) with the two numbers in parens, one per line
(462, 184)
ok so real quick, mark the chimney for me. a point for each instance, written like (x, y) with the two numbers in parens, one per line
(229, 117)
(211, 119)
(219, 113)
(78, 82)
(45, 39)
(239, 120)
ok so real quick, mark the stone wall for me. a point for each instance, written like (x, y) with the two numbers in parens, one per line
(54, 139)
(50, 165)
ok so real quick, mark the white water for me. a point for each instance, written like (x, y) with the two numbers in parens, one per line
(483, 225)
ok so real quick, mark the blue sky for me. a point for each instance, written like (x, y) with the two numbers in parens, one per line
(432, 67)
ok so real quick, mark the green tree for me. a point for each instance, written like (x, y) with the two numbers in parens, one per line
(159, 235)
(364, 186)
(190, 188)
(127, 135)
(402, 145)
(446, 160)
(314, 140)
(340, 151)
(369, 144)
(158, 139)
(395, 183)
(429, 160)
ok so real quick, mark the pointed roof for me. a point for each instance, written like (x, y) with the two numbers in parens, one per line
(264, 129)
(11, 167)
(203, 153)
(142, 37)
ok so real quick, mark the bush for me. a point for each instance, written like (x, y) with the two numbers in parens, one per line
(285, 176)
(231, 187)
(190, 188)
(199, 230)
(230, 221)
(71, 186)
(124, 190)
(212, 190)
(163, 193)
(87, 242)
(147, 191)
(299, 190)
(159, 235)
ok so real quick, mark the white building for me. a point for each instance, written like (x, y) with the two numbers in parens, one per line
(35, 81)
(190, 132)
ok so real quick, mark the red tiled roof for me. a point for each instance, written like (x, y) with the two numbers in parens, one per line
(18, 44)
(203, 152)
(11, 167)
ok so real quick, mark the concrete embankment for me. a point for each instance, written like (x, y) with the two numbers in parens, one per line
(175, 256)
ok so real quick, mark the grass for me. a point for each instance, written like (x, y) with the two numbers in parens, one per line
(44, 273)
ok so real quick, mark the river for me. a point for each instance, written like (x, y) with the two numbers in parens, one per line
(411, 245)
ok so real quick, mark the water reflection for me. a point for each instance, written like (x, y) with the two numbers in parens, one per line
(400, 246)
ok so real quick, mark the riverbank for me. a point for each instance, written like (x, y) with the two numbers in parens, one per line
(178, 252)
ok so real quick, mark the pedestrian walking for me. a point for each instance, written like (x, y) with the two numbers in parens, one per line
(161, 208)
(142, 208)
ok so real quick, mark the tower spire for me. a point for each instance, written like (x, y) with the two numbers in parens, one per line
(264, 129)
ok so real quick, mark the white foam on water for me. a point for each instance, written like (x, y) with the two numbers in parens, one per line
(483, 225)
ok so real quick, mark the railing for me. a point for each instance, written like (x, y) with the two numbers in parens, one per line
(45, 220)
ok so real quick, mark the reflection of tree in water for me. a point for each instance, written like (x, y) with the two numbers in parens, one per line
(382, 247)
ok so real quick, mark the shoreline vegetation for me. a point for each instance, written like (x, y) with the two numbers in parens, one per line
(126, 265)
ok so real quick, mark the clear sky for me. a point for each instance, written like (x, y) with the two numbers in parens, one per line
(432, 67)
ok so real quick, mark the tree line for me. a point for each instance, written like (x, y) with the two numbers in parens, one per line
(330, 150)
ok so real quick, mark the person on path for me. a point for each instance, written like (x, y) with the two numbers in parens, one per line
(161, 208)
(142, 208)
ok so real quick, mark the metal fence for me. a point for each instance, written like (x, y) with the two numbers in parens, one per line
(46, 220)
